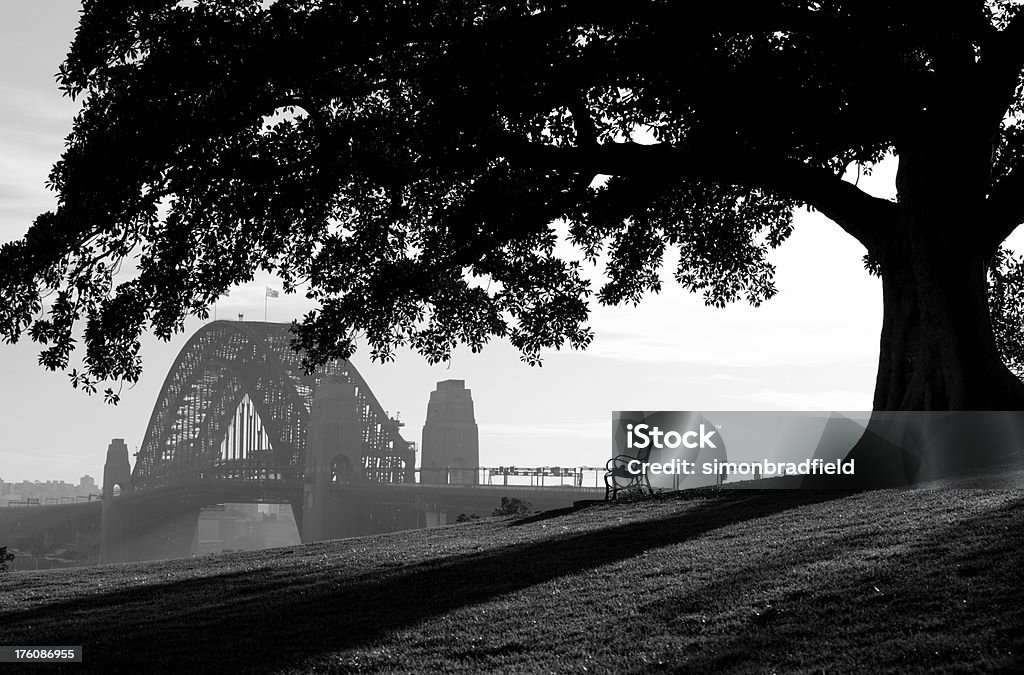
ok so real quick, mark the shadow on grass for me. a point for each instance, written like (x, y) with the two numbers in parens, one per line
(266, 620)
(948, 601)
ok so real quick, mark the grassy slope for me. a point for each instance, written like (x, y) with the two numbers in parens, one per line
(775, 581)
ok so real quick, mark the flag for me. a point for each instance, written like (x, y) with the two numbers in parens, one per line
(271, 293)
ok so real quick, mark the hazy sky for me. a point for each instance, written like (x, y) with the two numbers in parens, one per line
(812, 347)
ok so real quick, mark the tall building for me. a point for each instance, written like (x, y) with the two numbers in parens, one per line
(451, 441)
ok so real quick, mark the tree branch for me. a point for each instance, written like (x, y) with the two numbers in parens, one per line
(864, 217)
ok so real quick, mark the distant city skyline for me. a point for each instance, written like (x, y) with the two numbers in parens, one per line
(48, 491)
(814, 346)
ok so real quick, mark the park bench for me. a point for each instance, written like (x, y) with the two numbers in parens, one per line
(618, 477)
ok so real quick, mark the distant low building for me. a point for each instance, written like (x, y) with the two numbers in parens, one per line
(48, 492)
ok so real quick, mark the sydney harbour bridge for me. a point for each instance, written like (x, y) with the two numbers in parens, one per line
(238, 421)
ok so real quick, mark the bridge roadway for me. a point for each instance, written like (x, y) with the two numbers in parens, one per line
(163, 518)
(207, 492)
(360, 507)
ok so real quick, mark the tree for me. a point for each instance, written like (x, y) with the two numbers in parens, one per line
(407, 161)
(512, 507)
(5, 558)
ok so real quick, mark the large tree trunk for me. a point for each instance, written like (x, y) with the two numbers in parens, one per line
(938, 351)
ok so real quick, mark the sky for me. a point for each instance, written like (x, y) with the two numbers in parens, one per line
(812, 347)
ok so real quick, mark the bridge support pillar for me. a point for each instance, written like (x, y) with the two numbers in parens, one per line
(117, 479)
(296, 505)
(451, 442)
(334, 465)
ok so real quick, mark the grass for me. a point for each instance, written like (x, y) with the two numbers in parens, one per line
(899, 581)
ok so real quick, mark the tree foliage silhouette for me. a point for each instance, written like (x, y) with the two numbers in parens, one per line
(404, 162)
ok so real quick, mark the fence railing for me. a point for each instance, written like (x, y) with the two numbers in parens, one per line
(51, 501)
(513, 476)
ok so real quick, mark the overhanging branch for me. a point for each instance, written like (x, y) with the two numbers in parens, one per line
(857, 212)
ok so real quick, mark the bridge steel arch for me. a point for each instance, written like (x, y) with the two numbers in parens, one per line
(222, 364)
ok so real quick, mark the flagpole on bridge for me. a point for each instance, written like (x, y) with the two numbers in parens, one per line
(271, 293)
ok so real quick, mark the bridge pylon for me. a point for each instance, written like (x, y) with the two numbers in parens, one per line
(451, 440)
(150, 530)
(117, 479)
(334, 450)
